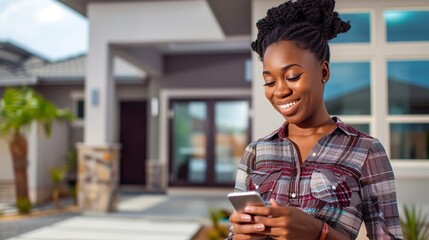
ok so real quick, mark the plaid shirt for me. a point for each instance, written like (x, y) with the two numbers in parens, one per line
(346, 178)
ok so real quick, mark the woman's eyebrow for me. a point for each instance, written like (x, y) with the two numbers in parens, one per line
(283, 68)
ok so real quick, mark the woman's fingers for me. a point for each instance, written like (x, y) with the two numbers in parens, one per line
(240, 218)
(249, 228)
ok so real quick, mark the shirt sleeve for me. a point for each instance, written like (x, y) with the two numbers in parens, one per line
(379, 204)
(243, 177)
(245, 167)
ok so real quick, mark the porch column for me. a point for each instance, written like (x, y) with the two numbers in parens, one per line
(100, 95)
(98, 156)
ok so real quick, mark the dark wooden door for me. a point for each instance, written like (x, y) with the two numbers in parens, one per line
(133, 139)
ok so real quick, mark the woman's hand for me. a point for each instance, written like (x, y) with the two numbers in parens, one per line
(280, 222)
(244, 226)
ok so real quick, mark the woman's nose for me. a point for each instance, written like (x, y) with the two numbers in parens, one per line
(282, 89)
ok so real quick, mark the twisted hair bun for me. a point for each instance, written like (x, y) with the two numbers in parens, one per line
(311, 23)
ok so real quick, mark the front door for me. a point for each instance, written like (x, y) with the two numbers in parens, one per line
(133, 141)
(207, 140)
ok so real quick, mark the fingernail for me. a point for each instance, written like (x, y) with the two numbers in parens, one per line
(245, 217)
(259, 227)
(249, 209)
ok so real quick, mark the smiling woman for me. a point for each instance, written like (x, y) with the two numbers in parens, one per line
(44, 27)
(319, 177)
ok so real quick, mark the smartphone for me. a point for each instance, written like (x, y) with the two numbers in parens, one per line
(242, 199)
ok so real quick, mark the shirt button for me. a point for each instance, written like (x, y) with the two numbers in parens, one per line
(293, 195)
(314, 154)
(333, 187)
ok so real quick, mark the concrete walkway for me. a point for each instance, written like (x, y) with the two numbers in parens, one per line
(179, 214)
(113, 228)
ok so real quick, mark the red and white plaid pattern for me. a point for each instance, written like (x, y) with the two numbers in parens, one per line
(346, 179)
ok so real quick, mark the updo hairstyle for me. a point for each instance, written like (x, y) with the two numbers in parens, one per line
(309, 23)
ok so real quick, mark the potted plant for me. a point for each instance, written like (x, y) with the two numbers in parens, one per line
(57, 176)
(218, 230)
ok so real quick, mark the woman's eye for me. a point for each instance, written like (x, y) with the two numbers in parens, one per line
(293, 78)
(268, 84)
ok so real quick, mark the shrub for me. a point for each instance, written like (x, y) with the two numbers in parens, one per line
(414, 224)
(57, 175)
(23, 205)
(218, 231)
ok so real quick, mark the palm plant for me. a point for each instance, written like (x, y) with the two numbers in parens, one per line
(218, 231)
(19, 109)
(414, 224)
(57, 176)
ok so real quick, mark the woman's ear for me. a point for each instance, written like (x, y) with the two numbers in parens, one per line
(326, 72)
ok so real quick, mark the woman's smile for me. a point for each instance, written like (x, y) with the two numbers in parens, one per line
(288, 107)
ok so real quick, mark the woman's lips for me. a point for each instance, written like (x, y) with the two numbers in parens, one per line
(288, 107)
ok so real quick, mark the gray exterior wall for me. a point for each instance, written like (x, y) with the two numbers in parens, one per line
(205, 71)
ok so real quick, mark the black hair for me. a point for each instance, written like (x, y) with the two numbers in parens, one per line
(309, 23)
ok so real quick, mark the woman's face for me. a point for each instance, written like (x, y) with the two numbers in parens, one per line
(293, 82)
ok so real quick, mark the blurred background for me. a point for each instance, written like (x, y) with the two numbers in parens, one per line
(167, 94)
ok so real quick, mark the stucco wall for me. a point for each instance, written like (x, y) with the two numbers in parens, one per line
(51, 151)
(6, 169)
(265, 119)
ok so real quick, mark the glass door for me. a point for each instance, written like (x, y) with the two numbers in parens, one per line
(189, 135)
(207, 140)
(232, 137)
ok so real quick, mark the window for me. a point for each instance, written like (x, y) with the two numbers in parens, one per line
(408, 89)
(409, 141)
(360, 31)
(406, 25)
(78, 108)
(349, 83)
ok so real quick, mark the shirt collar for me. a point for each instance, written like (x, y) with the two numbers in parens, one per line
(340, 125)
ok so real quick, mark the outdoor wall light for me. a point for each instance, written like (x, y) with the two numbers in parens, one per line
(94, 97)
(154, 107)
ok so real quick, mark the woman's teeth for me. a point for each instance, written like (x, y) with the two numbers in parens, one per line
(288, 105)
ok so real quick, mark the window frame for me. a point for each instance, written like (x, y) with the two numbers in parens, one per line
(75, 97)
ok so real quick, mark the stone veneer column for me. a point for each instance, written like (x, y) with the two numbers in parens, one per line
(155, 176)
(98, 178)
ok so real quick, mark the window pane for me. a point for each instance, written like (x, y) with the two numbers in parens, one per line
(409, 141)
(190, 139)
(80, 112)
(359, 32)
(408, 87)
(232, 123)
(348, 89)
(407, 25)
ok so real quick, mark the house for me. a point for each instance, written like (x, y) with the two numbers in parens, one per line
(63, 83)
(198, 65)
